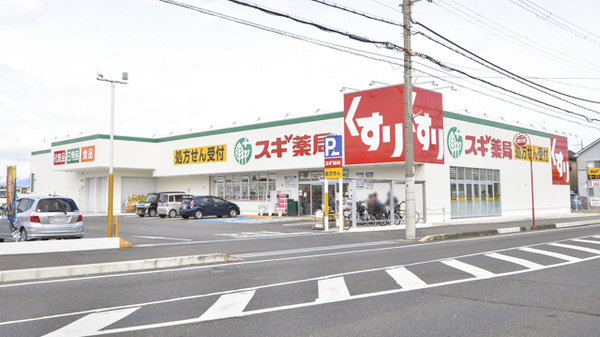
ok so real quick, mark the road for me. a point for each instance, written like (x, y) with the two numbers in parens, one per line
(366, 284)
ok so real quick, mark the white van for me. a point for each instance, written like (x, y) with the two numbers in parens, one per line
(169, 204)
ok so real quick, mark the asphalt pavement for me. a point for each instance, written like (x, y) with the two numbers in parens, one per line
(229, 239)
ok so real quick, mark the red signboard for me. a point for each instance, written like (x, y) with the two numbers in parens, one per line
(520, 140)
(559, 153)
(333, 163)
(60, 157)
(374, 126)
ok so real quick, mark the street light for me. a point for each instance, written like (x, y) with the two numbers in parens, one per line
(111, 178)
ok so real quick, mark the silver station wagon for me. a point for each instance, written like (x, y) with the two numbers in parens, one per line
(44, 217)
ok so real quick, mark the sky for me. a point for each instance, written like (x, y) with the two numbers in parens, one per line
(190, 71)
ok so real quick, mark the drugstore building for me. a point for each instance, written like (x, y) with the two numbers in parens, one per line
(469, 167)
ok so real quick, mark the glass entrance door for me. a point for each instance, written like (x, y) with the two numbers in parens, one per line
(310, 195)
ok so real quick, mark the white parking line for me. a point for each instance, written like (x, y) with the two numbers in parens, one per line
(467, 268)
(548, 253)
(230, 305)
(516, 260)
(406, 279)
(333, 289)
(159, 238)
(583, 249)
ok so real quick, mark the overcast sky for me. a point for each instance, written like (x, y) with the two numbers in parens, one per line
(190, 71)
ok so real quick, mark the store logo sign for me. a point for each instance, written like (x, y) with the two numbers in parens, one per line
(455, 142)
(243, 151)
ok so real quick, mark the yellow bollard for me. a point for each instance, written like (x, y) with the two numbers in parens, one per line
(117, 226)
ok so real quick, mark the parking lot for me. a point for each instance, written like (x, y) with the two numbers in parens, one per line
(149, 231)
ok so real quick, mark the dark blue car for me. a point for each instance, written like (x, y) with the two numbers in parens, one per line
(206, 205)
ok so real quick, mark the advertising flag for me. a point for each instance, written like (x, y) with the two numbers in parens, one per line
(11, 199)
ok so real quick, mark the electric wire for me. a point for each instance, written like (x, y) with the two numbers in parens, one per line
(504, 71)
(515, 77)
(255, 25)
(548, 16)
(519, 39)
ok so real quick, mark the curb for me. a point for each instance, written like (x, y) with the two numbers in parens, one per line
(450, 236)
(112, 267)
(66, 245)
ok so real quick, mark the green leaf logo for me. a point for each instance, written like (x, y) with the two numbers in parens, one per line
(455, 142)
(243, 151)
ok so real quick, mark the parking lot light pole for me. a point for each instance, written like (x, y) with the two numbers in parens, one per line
(111, 148)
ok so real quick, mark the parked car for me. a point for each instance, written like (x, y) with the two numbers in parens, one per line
(169, 204)
(44, 217)
(150, 204)
(200, 206)
(576, 202)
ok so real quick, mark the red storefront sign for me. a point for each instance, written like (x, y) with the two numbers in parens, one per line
(60, 157)
(374, 126)
(559, 152)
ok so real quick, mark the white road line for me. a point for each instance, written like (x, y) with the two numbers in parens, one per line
(586, 241)
(583, 249)
(159, 238)
(548, 253)
(467, 268)
(333, 289)
(314, 249)
(516, 260)
(406, 279)
(229, 305)
(90, 324)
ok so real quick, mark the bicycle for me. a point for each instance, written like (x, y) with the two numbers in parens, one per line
(400, 214)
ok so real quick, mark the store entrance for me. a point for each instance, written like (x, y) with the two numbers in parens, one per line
(311, 197)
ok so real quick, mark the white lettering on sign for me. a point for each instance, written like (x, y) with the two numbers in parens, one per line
(558, 160)
(330, 147)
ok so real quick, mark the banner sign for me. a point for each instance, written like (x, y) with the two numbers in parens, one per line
(11, 200)
(75, 155)
(374, 126)
(200, 155)
(560, 160)
(594, 173)
(540, 153)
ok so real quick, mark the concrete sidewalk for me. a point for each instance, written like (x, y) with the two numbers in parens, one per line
(29, 267)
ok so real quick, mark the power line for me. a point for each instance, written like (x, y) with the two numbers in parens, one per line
(342, 48)
(504, 71)
(354, 11)
(306, 22)
(519, 39)
(443, 66)
(442, 78)
(548, 16)
(521, 79)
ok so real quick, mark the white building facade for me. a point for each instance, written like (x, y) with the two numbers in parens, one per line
(476, 169)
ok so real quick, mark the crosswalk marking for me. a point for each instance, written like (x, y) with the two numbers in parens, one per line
(586, 241)
(333, 289)
(89, 325)
(516, 260)
(548, 253)
(228, 305)
(467, 268)
(406, 279)
(583, 249)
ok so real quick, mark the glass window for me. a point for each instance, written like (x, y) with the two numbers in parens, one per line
(474, 192)
(461, 173)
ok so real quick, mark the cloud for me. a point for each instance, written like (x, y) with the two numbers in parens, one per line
(19, 11)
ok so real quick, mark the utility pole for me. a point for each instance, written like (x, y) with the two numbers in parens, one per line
(409, 155)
